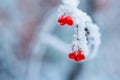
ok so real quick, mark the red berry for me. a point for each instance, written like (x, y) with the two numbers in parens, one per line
(61, 20)
(80, 52)
(80, 56)
(69, 20)
(72, 55)
(65, 20)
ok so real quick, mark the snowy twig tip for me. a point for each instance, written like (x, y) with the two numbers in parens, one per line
(73, 3)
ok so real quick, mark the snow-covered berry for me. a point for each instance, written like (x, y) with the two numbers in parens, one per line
(62, 20)
(80, 56)
(69, 20)
(72, 55)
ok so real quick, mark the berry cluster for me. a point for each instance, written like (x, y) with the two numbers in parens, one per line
(62, 20)
(77, 55)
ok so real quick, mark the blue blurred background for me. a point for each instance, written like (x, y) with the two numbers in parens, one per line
(34, 47)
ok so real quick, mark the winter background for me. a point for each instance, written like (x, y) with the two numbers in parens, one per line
(34, 47)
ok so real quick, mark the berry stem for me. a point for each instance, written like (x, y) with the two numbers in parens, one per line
(77, 27)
